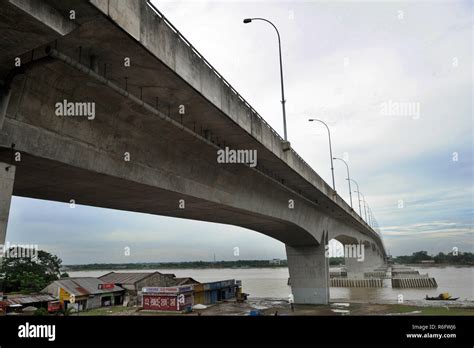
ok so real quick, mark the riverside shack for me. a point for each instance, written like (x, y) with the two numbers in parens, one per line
(213, 292)
(83, 293)
(133, 282)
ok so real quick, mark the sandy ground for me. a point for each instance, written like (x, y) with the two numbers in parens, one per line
(268, 306)
(280, 307)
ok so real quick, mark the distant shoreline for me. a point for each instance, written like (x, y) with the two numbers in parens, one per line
(137, 267)
(437, 264)
(162, 267)
(242, 264)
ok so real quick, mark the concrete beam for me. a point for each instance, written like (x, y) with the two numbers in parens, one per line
(309, 274)
(46, 14)
(7, 178)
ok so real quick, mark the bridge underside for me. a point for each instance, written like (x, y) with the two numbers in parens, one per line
(64, 159)
(45, 179)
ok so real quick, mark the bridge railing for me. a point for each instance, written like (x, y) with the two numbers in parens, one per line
(196, 52)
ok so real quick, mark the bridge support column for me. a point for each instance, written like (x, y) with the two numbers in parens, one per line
(7, 177)
(309, 274)
(374, 259)
(356, 266)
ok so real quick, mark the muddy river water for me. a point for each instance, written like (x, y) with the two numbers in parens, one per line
(272, 283)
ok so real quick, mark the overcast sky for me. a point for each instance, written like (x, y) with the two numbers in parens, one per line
(344, 62)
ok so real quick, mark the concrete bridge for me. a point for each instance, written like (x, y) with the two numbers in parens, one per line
(161, 113)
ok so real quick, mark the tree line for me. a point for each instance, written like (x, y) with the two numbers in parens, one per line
(452, 258)
(190, 264)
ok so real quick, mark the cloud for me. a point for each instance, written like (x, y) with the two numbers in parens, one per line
(428, 230)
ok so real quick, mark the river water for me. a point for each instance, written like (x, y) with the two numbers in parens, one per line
(272, 283)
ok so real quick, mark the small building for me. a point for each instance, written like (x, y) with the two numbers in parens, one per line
(134, 282)
(85, 293)
(176, 298)
(16, 302)
(275, 262)
(210, 293)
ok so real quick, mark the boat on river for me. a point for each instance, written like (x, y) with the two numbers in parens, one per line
(442, 297)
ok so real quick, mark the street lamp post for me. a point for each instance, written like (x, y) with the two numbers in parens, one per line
(358, 196)
(369, 216)
(365, 208)
(376, 224)
(283, 101)
(373, 222)
(330, 150)
(348, 177)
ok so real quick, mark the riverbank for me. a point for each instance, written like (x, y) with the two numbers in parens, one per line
(279, 307)
(273, 283)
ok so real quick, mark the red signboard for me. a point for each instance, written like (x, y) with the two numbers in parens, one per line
(160, 302)
(167, 302)
(106, 286)
(54, 306)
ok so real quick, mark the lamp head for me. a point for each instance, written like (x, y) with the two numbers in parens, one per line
(247, 20)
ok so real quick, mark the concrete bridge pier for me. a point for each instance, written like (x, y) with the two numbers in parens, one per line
(356, 266)
(7, 178)
(309, 274)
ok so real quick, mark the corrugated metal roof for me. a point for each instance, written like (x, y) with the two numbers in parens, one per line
(129, 278)
(84, 286)
(126, 277)
(219, 284)
(185, 281)
(27, 299)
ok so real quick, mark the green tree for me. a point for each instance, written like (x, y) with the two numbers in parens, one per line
(441, 258)
(41, 312)
(19, 273)
(458, 258)
(420, 256)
